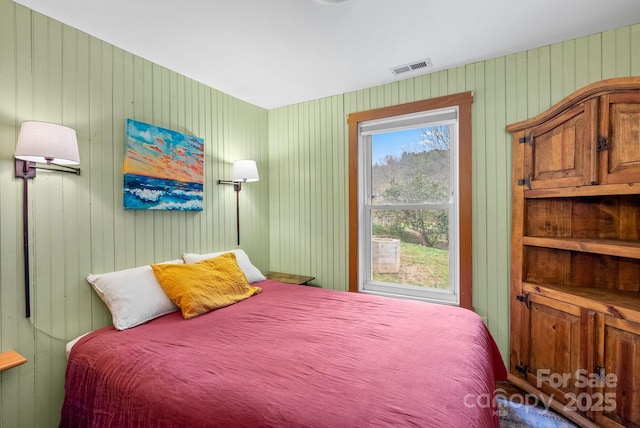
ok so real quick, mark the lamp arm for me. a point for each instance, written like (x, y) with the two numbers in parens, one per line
(25, 233)
(59, 168)
(26, 170)
(237, 185)
(238, 214)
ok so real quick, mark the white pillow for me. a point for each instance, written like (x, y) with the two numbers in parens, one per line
(252, 273)
(133, 296)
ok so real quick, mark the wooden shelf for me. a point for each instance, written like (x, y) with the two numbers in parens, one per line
(290, 278)
(10, 359)
(610, 247)
(595, 190)
(617, 303)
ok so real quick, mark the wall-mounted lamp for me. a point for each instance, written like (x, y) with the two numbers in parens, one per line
(244, 171)
(50, 144)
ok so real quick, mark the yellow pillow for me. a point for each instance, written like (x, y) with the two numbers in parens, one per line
(204, 286)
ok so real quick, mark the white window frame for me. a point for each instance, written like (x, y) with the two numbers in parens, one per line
(366, 284)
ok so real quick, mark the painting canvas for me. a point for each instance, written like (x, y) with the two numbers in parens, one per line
(163, 169)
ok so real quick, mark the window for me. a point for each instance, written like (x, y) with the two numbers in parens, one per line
(410, 200)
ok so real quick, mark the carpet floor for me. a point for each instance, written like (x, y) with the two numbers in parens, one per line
(518, 415)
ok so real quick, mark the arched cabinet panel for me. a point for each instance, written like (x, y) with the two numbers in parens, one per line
(575, 254)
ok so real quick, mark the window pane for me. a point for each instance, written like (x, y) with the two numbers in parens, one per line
(410, 247)
(411, 166)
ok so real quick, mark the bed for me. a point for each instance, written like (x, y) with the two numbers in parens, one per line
(289, 356)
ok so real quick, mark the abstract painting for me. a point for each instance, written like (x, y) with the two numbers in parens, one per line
(163, 169)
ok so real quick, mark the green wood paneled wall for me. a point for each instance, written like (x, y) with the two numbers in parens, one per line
(52, 72)
(308, 150)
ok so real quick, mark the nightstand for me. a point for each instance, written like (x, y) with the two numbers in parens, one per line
(10, 359)
(290, 278)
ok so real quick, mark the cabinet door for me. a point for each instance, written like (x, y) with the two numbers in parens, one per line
(554, 344)
(561, 152)
(620, 351)
(620, 135)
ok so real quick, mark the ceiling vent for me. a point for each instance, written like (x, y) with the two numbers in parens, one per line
(421, 65)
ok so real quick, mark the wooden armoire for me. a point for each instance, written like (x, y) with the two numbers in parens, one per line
(575, 254)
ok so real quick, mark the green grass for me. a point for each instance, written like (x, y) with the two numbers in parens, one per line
(419, 265)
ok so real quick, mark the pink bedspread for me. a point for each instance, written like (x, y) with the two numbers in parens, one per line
(292, 356)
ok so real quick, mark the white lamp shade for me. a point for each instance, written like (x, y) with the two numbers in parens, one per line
(47, 143)
(245, 170)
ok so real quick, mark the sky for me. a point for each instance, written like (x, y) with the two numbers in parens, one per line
(162, 153)
(394, 143)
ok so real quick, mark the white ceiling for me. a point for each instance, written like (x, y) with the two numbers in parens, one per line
(273, 53)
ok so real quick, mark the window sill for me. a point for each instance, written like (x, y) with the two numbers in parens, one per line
(404, 296)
